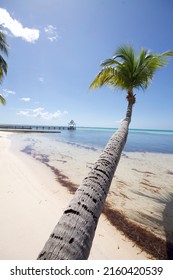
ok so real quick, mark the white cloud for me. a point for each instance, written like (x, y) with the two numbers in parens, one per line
(51, 33)
(42, 114)
(26, 99)
(23, 113)
(7, 92)
(41, 79)
(28, 34)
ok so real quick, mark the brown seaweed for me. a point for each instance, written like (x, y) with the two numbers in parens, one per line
(155, 246)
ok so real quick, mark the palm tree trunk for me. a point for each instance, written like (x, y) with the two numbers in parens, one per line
(73, 235)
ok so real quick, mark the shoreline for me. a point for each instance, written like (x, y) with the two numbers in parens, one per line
(61, 175)
(33, 202)
(146, 240)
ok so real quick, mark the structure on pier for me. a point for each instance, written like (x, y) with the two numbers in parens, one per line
(71, 125)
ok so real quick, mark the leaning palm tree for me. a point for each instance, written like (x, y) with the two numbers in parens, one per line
(3, 64)
(73, 235)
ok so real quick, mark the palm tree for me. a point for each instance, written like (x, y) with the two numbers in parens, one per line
(3, 64)
(73, 235)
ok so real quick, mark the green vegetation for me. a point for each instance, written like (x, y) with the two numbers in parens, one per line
(3, 64)
(127, 71)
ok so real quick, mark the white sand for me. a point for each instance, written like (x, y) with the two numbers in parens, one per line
(141, 187)
(32, 202)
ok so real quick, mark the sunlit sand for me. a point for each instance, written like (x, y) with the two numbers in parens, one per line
(35, 191)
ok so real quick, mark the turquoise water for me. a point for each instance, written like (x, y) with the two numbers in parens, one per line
(139, 140)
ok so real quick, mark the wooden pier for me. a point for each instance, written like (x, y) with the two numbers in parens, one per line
(35, 128)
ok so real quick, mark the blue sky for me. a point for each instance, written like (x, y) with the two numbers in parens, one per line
(56, 47)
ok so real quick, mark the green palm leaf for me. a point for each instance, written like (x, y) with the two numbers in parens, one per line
(128, 71)
(104, 77)
(3, 64)
(109, 62)
(3, 67)
(3, 43)
(2, 100)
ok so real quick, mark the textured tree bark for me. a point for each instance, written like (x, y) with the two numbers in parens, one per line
(73, 235)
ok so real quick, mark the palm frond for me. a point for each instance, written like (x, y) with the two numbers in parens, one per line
(3, 64)
(2, 100)
(3, 67)
(103, 77)
(127, 71)
(109, 62)
(126, 54)
(167, 54)
(3, 44)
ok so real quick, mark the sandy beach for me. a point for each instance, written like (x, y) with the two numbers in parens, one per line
(33, 197)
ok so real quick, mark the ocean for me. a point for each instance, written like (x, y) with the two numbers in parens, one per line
(139, 140)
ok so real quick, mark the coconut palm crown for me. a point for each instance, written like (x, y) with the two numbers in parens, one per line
(3, 64)
(127, 71)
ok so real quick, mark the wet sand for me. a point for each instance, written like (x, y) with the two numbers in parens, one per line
(136, 219)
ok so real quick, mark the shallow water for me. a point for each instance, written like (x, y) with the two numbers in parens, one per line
(139, 140)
